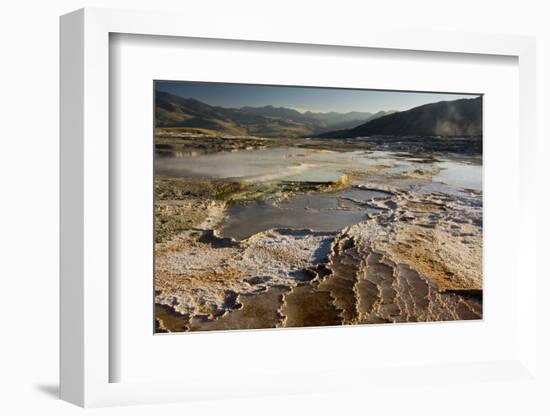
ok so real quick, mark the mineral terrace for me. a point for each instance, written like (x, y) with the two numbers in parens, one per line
(254, 233)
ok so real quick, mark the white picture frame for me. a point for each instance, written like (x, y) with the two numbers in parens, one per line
(85, 217)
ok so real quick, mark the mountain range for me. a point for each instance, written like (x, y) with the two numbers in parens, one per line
(268, 121)
(461, 117)
(445, 118)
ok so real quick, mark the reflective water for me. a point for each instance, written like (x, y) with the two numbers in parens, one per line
(459, 174)
(298, 164)
(319, 212)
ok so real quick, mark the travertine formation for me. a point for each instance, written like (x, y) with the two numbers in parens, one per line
(417, 258)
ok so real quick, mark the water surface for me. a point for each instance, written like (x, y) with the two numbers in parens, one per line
(298, 164)
(318, 212)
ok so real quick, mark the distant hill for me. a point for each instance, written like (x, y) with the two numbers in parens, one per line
(445, 118)
(349, 120)
(269, 121)
(174, 111)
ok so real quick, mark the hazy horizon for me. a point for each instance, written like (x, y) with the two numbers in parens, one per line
(302, 99)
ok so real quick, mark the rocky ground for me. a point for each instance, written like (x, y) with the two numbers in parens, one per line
(418, 258)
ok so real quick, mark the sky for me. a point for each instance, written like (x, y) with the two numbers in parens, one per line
(302, 98)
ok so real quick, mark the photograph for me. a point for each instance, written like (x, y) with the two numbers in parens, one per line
(279, 206)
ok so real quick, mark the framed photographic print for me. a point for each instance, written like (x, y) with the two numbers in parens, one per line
(324, 212)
